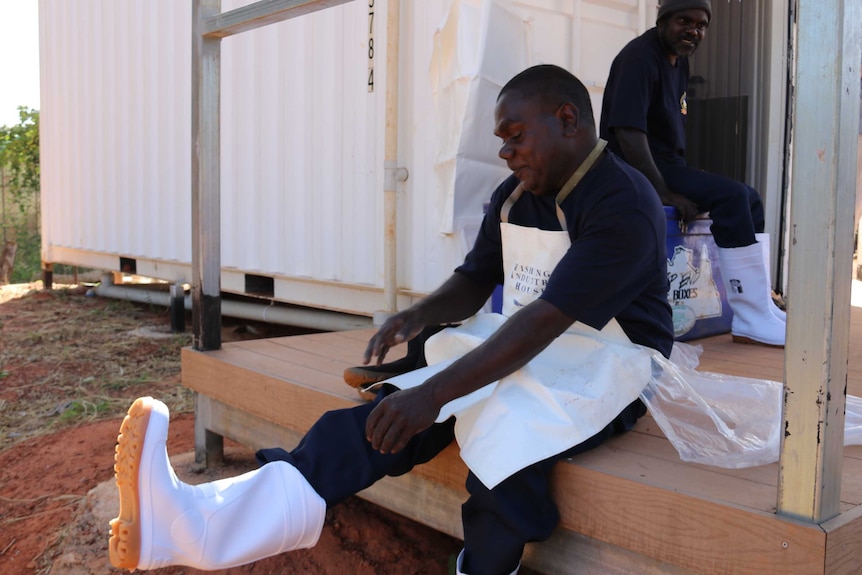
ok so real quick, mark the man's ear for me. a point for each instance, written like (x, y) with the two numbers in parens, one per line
(570, 116)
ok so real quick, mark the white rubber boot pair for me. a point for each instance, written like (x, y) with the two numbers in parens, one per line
(748, 291)
(217, 525)
(460, 561)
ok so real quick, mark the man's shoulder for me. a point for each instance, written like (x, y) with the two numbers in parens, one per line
(627, 177)
(638, 61)
(642, 48)
(627, 185)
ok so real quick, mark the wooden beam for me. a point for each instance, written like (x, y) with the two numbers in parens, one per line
(206, 170)
(825, 114)
(260, 14)
(435, 499)
(843, 552)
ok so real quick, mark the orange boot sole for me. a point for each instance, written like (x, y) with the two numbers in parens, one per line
(125, 544)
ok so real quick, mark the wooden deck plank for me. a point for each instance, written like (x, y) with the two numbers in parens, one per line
(270, 350)
(851, 481)
(220, 374)
(333, 354)
(721, 355)
(754, 487)
(348, 345)
(654, 443)
(337, 346)
(630, 500)
(665, 473)
(696, 533)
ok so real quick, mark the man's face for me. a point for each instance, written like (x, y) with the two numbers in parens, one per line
(682, 31)
(534, 143)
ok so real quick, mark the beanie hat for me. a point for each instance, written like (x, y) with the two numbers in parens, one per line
(669, 6)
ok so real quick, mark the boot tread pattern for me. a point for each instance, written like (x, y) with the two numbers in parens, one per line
(125, 543)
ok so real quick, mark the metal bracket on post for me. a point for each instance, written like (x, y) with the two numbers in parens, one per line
(392, 176)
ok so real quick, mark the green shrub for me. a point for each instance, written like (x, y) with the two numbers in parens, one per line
(19, 194)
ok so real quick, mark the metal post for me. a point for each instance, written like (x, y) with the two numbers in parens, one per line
(209, 26)
(825, 114)
(206, 211)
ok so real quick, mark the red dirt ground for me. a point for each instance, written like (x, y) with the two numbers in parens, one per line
(59, 489)
(56, 474)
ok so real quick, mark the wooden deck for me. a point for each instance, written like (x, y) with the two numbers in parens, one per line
(629, 506)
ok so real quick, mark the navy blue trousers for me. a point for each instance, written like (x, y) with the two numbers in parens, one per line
(735, 208)
(338, 462)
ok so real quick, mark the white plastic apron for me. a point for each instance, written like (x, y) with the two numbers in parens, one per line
(563, 396)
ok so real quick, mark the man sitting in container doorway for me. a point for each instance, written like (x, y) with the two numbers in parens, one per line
(643, 119)
(577, 237)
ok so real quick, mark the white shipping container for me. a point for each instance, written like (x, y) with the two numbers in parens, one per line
(302, 135)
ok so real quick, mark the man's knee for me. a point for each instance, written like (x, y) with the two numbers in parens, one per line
(737, 194)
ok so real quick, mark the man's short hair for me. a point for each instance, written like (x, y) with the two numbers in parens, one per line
(552, 86)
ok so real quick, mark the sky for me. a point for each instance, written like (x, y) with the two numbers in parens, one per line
(19, 58)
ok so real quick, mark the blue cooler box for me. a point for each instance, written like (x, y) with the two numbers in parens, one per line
(695, 289)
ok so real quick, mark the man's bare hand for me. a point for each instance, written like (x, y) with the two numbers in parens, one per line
(401, 327)
(687, 209)
(399, 417)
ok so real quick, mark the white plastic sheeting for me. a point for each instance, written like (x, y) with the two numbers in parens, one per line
(479, 47)
(723, 420)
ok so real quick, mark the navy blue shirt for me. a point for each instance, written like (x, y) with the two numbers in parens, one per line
(617, 263)
(645, 92)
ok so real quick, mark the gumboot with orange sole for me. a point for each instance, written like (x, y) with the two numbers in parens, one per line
(225, 523)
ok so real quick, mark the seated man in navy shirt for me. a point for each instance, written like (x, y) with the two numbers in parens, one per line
(577, 237)
(643, 120)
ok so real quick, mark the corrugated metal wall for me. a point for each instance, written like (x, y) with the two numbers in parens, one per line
(302, 139)
(302, 149)
(115, 127)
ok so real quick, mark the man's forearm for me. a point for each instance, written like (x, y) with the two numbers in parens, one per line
(455, 300)
(635, 149)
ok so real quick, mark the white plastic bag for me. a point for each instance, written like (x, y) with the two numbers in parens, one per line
(723, 420)
(853, 421)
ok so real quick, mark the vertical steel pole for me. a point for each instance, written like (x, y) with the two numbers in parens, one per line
(206, 214)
